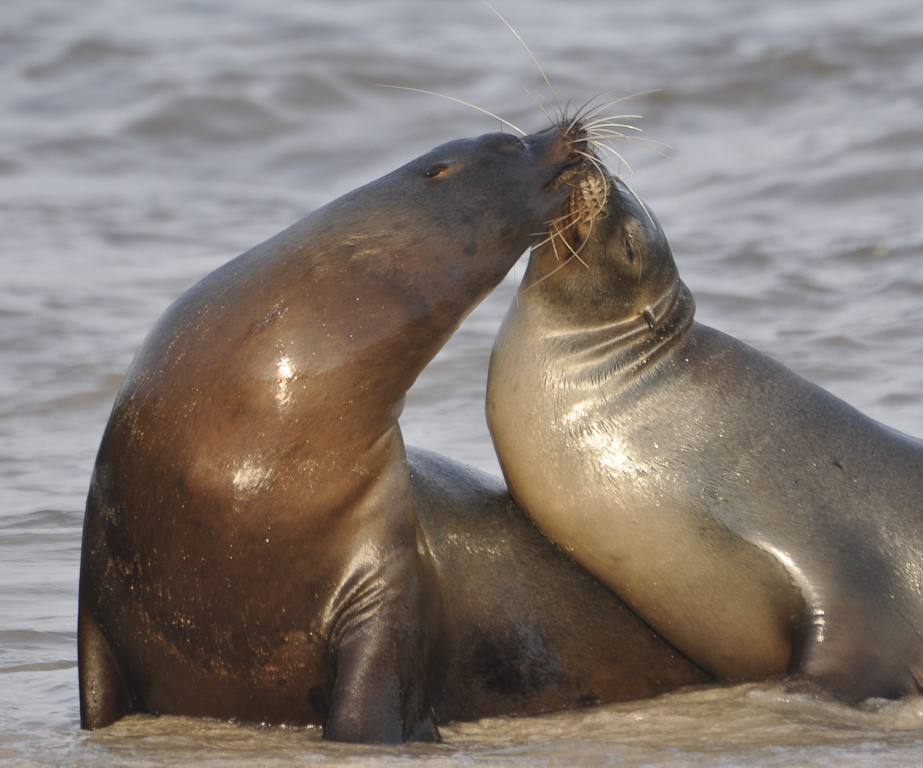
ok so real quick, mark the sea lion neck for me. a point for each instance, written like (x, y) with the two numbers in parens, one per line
(623, 348)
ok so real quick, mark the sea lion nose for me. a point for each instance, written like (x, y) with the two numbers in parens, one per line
(560, 143)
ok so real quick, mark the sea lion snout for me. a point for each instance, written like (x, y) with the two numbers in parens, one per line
(562, 149)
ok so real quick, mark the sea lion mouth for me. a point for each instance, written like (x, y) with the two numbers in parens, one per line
(586, 174)
(575, 163)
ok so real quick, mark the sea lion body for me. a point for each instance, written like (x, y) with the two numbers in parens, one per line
(250, 549)
(523, 629)
(759, 523)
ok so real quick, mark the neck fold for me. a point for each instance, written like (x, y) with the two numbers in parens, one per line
(628, 347)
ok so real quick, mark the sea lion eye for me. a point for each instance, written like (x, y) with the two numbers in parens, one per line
(435, 169)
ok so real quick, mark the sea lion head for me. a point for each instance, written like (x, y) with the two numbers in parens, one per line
(606, 257)
(450, 224)
(471, 207)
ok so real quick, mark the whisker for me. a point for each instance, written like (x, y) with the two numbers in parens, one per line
(621, 98)
(608, 135)
(589, 103)
(554, 245)
(640, 201)
(458, 101)
(575, 253)
(607, 148)
(552, 106)
(563, 217)
(539, 105)
(559, 231)
(587, 112)
(595, 160)
(605, 144)
(596, 118)
(553, 271)
(646, 144)
(652, 146)
(644, 141)
(593, 127)
(589, 109)
(529, 51)
(567, 107)
(572, 216)
(612, 131)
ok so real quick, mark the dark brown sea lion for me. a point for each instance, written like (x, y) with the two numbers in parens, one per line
(251, 549)
(760, 524)
(249, 531)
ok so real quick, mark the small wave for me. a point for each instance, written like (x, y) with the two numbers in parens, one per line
(85, 54)
(209, 119)
(44, 666)
(42, 519)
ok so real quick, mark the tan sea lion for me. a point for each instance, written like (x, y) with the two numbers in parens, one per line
(760, 524)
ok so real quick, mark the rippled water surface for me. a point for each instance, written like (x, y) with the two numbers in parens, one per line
(144, 144)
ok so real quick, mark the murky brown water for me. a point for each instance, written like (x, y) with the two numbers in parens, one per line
(143, 144)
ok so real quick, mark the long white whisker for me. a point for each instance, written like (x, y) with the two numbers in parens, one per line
(554, 245)
(452, 98)
(529, 51)
(539, 105)
(603, 137)
(553, 271)
(610, 151)
(640, 201)
(648, 144)
(607, 148)
(602, 126)
(589, 107)
(592, 119)
(589, 110)
(644, 141)
(574, 252)
(638, 143)
(551, 105)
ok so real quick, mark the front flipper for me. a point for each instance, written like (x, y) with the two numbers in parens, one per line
(105, 693)
(379, 653)
(371, 703)
(863, 650)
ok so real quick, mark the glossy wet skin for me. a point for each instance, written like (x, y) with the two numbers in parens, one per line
(250, 546)
(757, 522)
(524, 628)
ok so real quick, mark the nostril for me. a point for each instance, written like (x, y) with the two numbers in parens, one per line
(568, 142)
(507, 143)
(576, 136)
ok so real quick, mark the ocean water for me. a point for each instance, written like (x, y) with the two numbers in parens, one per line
(144, 144)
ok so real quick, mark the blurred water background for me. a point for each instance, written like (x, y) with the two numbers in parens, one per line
(144, 144)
